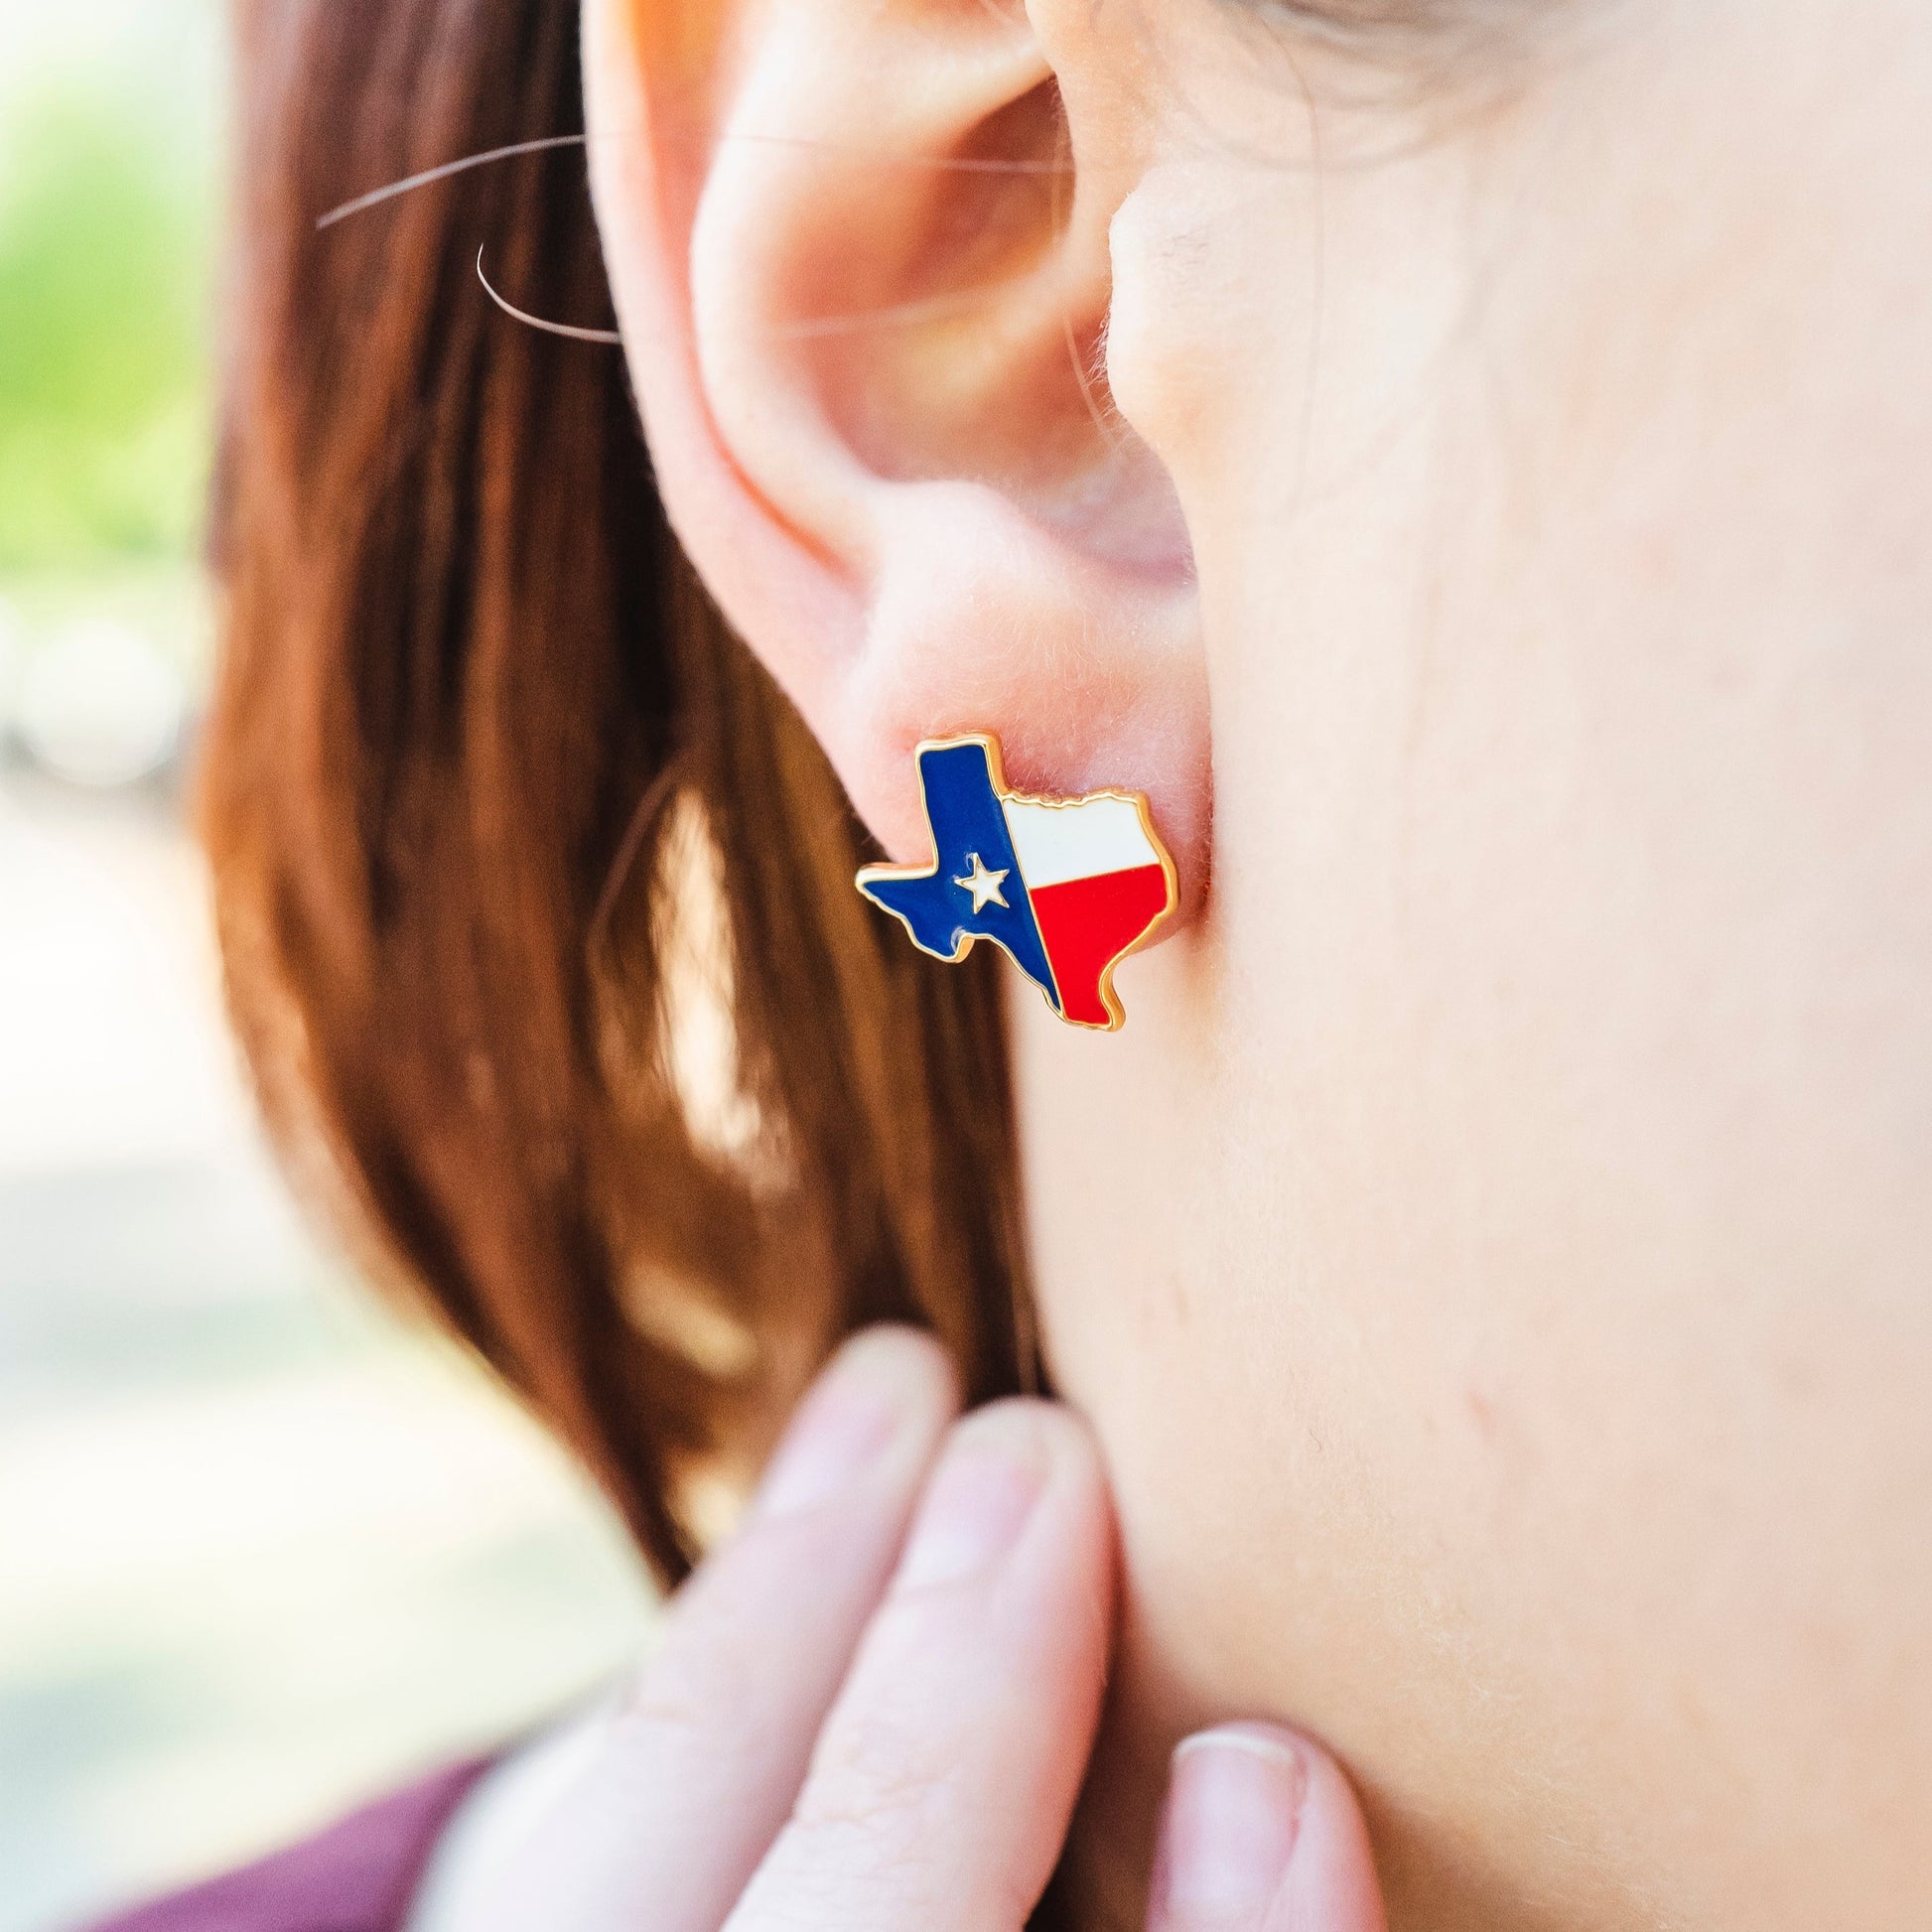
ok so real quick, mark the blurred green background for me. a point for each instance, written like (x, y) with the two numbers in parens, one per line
(262, 1548)
(109, 186)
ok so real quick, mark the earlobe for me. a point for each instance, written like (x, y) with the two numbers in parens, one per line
(863, 285)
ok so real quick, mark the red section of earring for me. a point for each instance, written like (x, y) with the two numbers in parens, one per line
(1087, 923)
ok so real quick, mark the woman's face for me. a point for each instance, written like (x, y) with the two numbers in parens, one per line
(1498, 1253)
(1497, 1256)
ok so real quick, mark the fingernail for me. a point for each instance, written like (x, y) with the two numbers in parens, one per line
(979, 1500)
(1234, 1807)
(873, 1387)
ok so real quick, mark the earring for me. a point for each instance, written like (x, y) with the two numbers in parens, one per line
(1067, 887)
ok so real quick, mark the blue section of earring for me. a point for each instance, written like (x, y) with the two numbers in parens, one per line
(941, 912)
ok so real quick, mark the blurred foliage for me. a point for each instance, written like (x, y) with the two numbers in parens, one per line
(106, 244)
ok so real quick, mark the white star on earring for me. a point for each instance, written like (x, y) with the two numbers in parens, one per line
(982, 883)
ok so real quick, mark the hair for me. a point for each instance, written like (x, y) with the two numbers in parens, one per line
(503, 818)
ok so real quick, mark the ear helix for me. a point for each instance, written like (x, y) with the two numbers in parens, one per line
(1067, 888)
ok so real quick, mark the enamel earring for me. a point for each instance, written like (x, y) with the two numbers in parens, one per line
(1067, 887)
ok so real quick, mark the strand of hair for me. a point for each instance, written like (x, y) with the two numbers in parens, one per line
(885, 156)
(568, 331)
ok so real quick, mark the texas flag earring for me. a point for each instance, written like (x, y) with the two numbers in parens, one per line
(1067, 887)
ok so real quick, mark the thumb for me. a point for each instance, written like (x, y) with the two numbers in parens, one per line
(1261, 1832)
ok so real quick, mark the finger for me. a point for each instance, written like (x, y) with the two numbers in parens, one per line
(696, 1771)
(941, 1788)
(1261, 1832)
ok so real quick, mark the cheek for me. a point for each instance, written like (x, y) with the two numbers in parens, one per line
(1495, 1254)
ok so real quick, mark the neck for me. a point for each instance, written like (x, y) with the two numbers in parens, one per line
(1103, 1879)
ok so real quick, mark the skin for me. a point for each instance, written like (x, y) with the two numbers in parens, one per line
(872, 1709)
(1480, 501)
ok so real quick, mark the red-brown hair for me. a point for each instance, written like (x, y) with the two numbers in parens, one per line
(484, 765)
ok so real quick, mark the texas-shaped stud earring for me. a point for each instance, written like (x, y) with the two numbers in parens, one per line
(1067, 887)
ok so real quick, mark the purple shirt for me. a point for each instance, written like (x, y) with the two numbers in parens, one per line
(359, 1876)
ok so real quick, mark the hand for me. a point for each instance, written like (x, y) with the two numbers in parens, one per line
(871, 1710)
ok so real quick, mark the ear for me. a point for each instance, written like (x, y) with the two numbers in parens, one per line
(861, 264)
